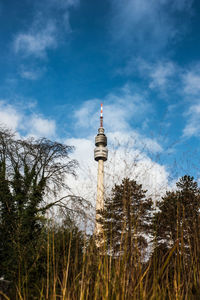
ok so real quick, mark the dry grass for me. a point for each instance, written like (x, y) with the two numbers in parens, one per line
(95, 275)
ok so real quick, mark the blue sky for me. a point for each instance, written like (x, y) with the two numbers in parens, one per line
(60, 59)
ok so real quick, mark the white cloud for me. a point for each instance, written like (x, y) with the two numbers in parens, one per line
(132, 139)
(50, 28)
(191, 81)
(20, 120)
(161, 74)
(191, 94)
(192, 127)
(120, 109)
(84, 116)
(32, 73)
(41, 127)
(9, 116)
(85, 184)
(37, 41)
(84, 149)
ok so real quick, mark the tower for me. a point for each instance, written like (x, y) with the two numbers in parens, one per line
(100, 155)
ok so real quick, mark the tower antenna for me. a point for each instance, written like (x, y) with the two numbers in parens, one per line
(101, 117)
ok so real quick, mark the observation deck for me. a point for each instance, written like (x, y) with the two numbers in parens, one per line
(101, 151)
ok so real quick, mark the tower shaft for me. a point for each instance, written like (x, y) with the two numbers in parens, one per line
(100, 194)
(100, 185)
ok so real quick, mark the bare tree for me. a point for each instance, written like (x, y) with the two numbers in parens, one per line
(31, 171)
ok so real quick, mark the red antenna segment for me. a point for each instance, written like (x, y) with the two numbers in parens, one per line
(101, 117)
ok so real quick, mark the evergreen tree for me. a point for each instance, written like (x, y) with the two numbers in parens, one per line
(125, 218)
(178, 217)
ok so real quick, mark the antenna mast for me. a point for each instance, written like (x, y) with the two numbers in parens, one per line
(101, 117)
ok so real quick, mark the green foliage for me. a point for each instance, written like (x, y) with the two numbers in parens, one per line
(178, 215)
(29, 171)
(126, 216)
(7, 225)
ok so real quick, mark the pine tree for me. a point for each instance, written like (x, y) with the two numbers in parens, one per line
(177, 220)
(125, 218)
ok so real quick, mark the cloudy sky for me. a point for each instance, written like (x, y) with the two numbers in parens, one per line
(59, 59)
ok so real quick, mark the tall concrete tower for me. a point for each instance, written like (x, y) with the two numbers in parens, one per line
(100, 155)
